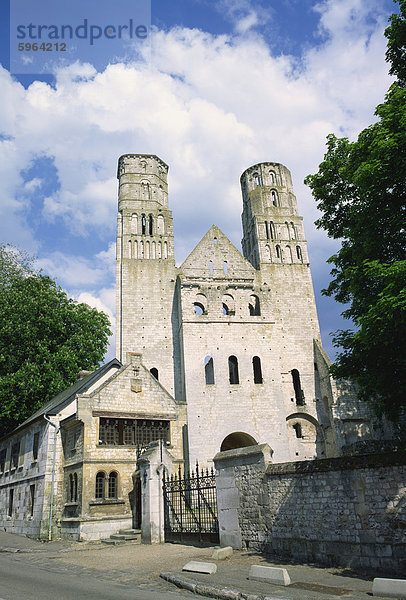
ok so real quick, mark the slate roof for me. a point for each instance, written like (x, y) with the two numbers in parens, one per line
(62, 399)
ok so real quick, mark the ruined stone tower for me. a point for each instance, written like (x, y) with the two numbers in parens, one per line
(145, 265)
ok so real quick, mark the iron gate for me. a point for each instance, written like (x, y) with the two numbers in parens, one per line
(190, 507)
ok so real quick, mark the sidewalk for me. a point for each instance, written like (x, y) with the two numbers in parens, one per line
(145, 563)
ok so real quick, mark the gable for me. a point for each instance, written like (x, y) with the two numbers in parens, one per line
(216, 257)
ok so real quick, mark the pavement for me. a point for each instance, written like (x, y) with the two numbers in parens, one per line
(160, 566)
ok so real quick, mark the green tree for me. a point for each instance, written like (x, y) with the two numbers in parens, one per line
(46, 338)
(361, 189)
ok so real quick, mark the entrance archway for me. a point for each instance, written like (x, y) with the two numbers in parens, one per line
(238, 439)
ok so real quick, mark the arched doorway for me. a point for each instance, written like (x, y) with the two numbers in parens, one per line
(238, 439)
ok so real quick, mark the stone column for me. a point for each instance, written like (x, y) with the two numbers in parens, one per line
(228, 497)
(151, 465)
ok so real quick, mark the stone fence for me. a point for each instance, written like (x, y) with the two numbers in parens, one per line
(348, 511)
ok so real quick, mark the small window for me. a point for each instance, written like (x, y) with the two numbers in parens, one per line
(254, 306)
(143, 225)
(274, 196)
(228, 304)
(225, 267)
(112, 493)
(10, 502)
(150, 224)
(154, 372)
(299, 253)
(267, 230)
(211, 267)
(278, 252)
(233, 370)
(300, 400)
(161, 225)
(75, 487)
(209, 370)
(298, 430)
(32, 500)
(257, 179)
(256, 365)
(287, 230)
(100, 484)
(272, 178)
(293, 230)
(198, 308)
(272, 230)
(15, 451)
(3, 454)
(215, 241)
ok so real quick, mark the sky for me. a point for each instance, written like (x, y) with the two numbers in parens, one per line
(217, 86)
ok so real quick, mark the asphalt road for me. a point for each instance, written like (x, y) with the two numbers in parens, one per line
(20, 580)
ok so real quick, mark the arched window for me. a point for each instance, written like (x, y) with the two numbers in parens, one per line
(267, 230)
(272, 230)
(100, 485)
(153, 250)
(130, 254)
(160, 225)
(257, 179)
(75, 487)
(134, 223)
(135, 249)
(233, 370)
(165, 249)
(289, 253)
(287, 230)
(143, 225)
(71, 488)
(147, 250)
(278, 252)
(256, 366)
(198, 308)
(293, 229)
(272, 178)
(300, 400)
(141, 249)
(112, 487)
(215, 241)
(299, 253)
(145, 190)
(211, 267)
(254, 306)
(225, 267)
(154, 372)
(159, 249)
(228, 304)
(268, 251)
(298, 430)
(209, 370)
(274, 196)
(150, 224)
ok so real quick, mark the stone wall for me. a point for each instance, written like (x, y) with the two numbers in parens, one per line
(347, 511)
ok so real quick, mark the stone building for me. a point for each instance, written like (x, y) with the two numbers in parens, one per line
(220, 353)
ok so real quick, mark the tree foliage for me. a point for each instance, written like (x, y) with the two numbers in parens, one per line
(46, 338)
(361, 189)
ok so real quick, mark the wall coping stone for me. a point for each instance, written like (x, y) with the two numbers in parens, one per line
(341, 463)
(239, 454)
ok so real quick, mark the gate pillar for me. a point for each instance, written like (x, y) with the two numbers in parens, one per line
(152, 464)
(229, 465)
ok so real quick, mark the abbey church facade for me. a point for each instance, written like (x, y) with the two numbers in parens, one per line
(233, 337)
(219, 353)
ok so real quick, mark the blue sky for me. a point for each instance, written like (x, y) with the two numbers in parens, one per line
(224, 84)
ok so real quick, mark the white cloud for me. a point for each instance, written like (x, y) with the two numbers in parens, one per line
(209, 106)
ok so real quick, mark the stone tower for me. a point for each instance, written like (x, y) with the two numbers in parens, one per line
(145, 265)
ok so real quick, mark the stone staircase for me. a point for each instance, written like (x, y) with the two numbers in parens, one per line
(132, 536)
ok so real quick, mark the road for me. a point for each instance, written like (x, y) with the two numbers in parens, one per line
(24, 577)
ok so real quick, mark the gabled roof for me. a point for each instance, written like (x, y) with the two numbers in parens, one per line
(215, 247)
(67, 395)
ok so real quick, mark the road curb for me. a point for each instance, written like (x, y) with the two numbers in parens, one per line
(211, 591)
